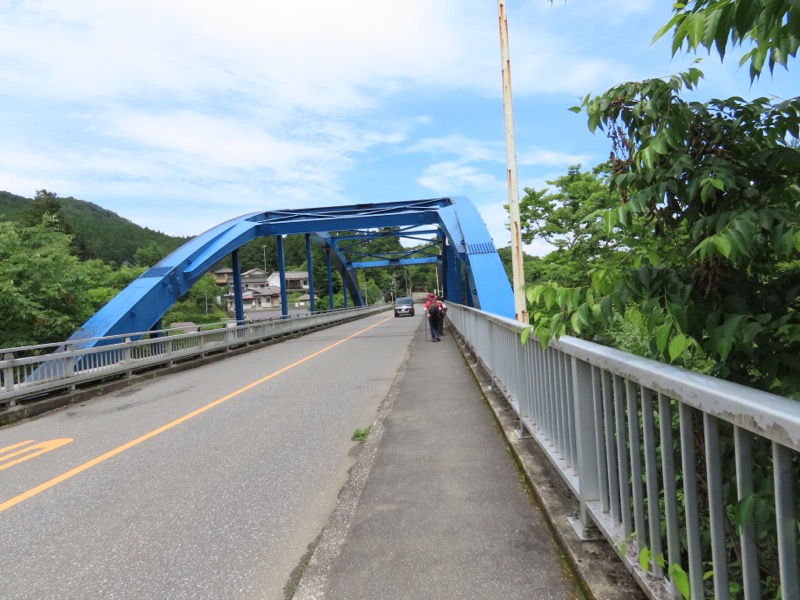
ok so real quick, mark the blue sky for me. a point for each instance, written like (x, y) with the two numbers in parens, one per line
(180, 114)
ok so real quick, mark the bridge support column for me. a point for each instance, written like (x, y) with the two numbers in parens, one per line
(344, 286)
(312, 301)
(282, 271)
(586, 442)
(330, 277)
(238, 303)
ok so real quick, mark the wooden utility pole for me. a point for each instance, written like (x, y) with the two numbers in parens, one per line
(517, 270)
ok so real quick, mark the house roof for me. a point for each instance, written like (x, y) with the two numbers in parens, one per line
(292, 274)
(249, 294)
(255, 273)
(224, 270)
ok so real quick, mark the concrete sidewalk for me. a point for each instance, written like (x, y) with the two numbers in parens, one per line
(436, 506)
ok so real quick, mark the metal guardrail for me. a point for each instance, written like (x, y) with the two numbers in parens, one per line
(644, 446)
(34, 370)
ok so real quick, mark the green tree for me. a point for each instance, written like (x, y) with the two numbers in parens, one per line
(45, 203)
(770, 28)
(107, 281)
(571, 218)
(533, 266)
(150, 254)
(42, 286)
(198, 305)
(48, 203)
(716, 188)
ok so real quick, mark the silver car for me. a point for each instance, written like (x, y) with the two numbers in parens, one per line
(404, 306)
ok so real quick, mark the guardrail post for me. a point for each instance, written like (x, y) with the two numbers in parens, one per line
(126, 355)
(586, 442)
(8, 378)
(69, 363)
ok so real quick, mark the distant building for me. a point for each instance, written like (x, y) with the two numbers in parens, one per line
(222, 276)
(296, 281)
(259, 290)
(305, 300)
(255, 299)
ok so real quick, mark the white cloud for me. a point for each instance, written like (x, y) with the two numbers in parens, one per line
(549, 158)
(218, 141)
(464, 148)
(185, 113)
(456, 179)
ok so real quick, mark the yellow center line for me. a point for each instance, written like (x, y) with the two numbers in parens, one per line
(110, 454)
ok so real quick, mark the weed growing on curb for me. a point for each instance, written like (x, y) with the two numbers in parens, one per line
(360, 435)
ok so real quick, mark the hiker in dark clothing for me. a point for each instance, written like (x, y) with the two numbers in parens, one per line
(433, 309)
(442, 315)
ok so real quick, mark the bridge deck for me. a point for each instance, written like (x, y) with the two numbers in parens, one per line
(442, 513)
(433, 508)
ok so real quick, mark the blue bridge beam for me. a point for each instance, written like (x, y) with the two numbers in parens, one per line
(469, 259)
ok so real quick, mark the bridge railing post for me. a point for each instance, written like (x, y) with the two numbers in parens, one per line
(586, 464)
(69, 363)
(168, 350)
(126, 354)
(8, 383)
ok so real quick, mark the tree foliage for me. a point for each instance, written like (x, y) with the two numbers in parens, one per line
(47, 203)
(712, 191)
(150, 254)
(42, 286)
(198, 305)
(771, 29)
(571, 216)
(533, 267)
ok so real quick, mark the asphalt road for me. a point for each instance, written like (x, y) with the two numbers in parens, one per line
(211, 483)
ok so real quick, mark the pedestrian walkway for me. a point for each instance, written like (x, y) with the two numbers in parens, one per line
(436, 505)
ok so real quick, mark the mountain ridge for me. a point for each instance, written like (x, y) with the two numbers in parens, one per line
(103, 234)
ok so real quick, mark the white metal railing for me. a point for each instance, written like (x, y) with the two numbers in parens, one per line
(669, 464)
(33, 370)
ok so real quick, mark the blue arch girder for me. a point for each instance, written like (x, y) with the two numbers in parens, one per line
(468, 263)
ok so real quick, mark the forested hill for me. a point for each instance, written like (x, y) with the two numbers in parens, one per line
(98, 232)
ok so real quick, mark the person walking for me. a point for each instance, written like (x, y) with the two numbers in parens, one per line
(433, 310)
(442, 315)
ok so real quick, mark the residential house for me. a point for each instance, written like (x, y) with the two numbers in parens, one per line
(257, 299)
(305, 300)
(222, 276)
(259, 290)
(296, 281)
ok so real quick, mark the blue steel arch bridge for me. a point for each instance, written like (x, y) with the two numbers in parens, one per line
(460, 247)
(621, 430)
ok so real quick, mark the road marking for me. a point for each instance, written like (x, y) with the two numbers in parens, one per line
(28, 451)
(119, 450)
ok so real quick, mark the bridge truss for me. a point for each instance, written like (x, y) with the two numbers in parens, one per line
(458, 243)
